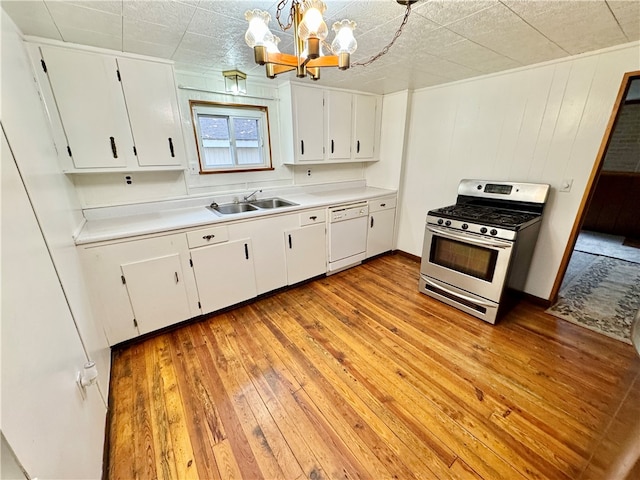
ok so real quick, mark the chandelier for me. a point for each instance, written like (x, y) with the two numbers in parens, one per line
(309, 33)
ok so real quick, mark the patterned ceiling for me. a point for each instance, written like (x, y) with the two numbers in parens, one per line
(444, 40)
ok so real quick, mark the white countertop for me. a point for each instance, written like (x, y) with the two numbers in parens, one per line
(167, 217)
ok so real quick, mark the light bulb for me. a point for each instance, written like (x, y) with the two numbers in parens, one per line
(344, 42)
(312, 24)
(258, 32)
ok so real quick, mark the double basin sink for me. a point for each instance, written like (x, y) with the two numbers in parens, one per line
(264, 204)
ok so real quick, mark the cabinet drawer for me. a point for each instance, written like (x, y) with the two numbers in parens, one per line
(384, 203)
(315, 216)
(207, 236)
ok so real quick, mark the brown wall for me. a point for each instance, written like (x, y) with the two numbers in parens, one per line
(615, 207)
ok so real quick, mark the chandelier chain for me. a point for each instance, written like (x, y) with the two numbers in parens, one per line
(390, 44)
(281, 5)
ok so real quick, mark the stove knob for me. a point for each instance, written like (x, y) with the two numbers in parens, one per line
(483, 230)
(440, 221)
(447, 223)
(465, 226)
(493, 231)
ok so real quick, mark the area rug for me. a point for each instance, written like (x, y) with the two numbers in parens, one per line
(603, 297)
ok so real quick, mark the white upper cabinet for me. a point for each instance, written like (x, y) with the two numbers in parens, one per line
(91, 106)
(153, 111)
(117, 114)
(337, 113)
(364, 126)
(329, 126)
(308, 124)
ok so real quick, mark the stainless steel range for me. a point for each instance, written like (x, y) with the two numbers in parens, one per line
(476, 248)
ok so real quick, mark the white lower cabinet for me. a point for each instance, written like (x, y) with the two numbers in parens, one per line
(133, 285)
(157, 291)
(224, 273)
(306, 252)
(382, 216)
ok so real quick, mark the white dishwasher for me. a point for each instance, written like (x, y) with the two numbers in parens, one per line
(347, 235)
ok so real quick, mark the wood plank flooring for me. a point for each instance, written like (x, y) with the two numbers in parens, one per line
(358, 375)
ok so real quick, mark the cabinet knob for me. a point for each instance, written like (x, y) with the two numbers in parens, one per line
(313, 217)
(383, 204)
(208, 237)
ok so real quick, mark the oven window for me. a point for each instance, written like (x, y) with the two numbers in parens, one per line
(479, 262)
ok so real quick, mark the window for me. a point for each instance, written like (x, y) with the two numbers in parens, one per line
(231, 138)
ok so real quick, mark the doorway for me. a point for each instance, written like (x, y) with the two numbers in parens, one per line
(595, 286)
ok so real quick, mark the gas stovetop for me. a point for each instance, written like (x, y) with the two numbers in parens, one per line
(489, 216)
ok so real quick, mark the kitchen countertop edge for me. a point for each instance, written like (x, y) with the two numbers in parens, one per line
(104, 230)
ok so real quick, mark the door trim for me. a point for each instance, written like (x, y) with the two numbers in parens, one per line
(591, 184)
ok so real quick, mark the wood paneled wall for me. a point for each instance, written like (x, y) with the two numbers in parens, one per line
(614, 208)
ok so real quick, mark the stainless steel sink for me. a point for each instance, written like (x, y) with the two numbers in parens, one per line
(272, 203)
(231, 208)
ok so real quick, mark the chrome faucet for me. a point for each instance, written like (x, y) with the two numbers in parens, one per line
(248, 197)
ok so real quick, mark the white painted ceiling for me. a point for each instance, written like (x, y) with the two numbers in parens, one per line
(444, 40)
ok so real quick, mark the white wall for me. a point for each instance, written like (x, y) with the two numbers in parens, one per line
(538, 124)
(57, 207)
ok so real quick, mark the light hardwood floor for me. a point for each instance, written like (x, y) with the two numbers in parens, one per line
(358, 375)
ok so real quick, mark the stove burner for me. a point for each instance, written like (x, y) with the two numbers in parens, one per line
(485, 215)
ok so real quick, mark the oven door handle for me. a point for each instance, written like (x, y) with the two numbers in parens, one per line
(467, 238)
(457, 294)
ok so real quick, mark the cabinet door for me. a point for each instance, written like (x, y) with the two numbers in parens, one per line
(338, 126)
(380, 236)
(306, 252)
(364, 108)
(150, 94)
(91, 106)
(308, 123)
(224, 274)
(157, 292)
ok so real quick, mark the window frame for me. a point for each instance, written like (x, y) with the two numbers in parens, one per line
(223, 109)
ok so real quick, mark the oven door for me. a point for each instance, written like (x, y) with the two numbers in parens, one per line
(467, 261)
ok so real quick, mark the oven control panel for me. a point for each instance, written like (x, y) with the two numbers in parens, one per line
(463, 226)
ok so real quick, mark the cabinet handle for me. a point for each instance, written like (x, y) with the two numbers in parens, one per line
(290, 246)
(371, 222)
(358, 146)
(246, 251)
(208, 237)
(114, 150)
(171, 147)
(383, 204)
(313, 217)
(331, 146)
(177, 279)
(301, 147)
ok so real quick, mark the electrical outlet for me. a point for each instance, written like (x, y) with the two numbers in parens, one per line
(308, 172)
(566, 184)
(128, 180)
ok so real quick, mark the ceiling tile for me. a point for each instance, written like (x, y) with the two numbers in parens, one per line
(444, 12)
(33, 18)
(90, 37)
(137, 30)
(566, 23)
(209, 23)
(478, 57)
(114, 7)
(168, 13)
(86, 19)
(147, 48)
(628, 15)
(36, 10)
